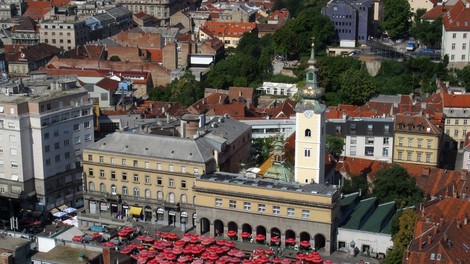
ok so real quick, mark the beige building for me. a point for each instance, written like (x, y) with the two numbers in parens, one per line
(416, 140)
(457, 117)
(270, 208)
(64, 34)
(421, 4)
(160, 9)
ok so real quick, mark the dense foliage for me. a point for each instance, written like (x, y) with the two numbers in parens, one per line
(402, 233)
(185, 90)
(396, 18)
(428, 33)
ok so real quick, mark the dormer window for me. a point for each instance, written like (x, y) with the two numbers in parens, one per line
(410, 127)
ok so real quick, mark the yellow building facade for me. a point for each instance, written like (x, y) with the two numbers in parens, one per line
(416, 141)
(273, 209)
(147, 177)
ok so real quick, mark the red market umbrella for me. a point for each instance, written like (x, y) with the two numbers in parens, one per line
(260, 237)
(229, 243)
(305, 243)
(317, 259)
(290, 240)
(141, 238)
(275, 239)
(246, 235)
(172, 236)
(122, 233)
(300, 256)
(231, 233)
(328, 262)
(276, 260)
(148, 239)
(170, 256)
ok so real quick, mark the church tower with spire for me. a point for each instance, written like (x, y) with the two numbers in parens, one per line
(310, 129)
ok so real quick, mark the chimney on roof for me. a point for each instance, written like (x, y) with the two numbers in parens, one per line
(465, 220)
(441, 221)
(435, 229)
(429, 239)
(459, 225)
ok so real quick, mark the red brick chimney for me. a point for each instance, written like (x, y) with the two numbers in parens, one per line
(429, 239)
(106, 255)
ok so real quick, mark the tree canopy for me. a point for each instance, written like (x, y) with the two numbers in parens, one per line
(185, 90)
(334, 145)
(396, 17)
(356, 86)
(395, 184)
(428, 33)
(404, 223)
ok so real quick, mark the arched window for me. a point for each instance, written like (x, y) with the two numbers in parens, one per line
(102, 187)
(147, 193)
(159, 195)
(125, 190)
(184, 198)
(136, 192)
(308, 133)
(91, 186)
(171, 197)
(113, 189)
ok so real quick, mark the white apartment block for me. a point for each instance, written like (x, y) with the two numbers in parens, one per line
(45, 123)
(456, 35)
(271, 88)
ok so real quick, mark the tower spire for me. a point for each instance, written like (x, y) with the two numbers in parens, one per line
(312, 60)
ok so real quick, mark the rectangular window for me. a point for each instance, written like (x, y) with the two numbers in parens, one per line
(171, 183)
(135, 163)
(453, 46)
(465, 121)
(386, 128)
(159, 166)
(410, 142)
(428, 157)
(456, 121)
(261, 208)
(88, 137)
(338, 129)
(400, 155)
(112, 160)
(420, 143)
(183, 184)
(307, 152)
(147, 165)
(408, 156)
(101, 173)
(90, 157)
(370, 128)
(456, 133)
(218, 202)
(352, 151)
(171, 168)
(46, 135)
(290, 212)
(76, 127)
(147, 179)
(136, 177)
(159, 181)
(57, 158)
(66, 142)
(386, 141)
(385, 152)
(196, 171)
(124, 176)
(124, 162)
(76, 140)
(448, 122)
(305, 214)
(183, 169)
(101, 159)
(464, 46)
(429, 144)
(447, 131)
(246, 206)
(369, 151)
(90, 172)
(400, 142)
(418, 156)
(232, 204)
(369, 140)
(113, 175)
(86, 124)
(353, 128)
(276, 210)
(353, 140)
(67, 155)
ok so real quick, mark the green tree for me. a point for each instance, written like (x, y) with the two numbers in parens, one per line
(405, 222)
(185, 90)
(355, 183)
(395, 184)
(115, 58)
(396, 17)
(335, 145)
(428, 33)
(463, 77)
(356, 86)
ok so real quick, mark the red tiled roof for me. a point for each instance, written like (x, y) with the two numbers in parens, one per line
(235, 93)
(108, 84)
(415, 124)
(456, 100)
(357, 166)
(458, 18)
(229, 29)
(436, 12)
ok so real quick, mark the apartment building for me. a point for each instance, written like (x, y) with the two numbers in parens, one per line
(229, 33)
(365, 138)
(45, 123)
(456, 35)
(64, 34)
(162, 9)
(416, 140)
(265, 209)
(456, 108)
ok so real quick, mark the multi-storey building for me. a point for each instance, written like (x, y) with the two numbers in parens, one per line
(416, 140)
(162, 9)
(229, 33)
(64, 34)
(366, 138)
(352, 20)
(143, 176)
(456, 108)
(25, 34)
(42, 134)
(456, 35)
(268, 209)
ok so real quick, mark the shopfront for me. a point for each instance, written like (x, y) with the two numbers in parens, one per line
(92, 207)
(160, 214)
(147, 213)
(172, 217)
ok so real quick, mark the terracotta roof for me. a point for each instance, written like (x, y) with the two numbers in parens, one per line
(357, 166)
(229, 29)
(207, 103)
(369, 109)
(436, 12)
(279, 15)
(456, 100)
(234, 110)
(415, 124)
(458, 18)
(442, 232)
(37, 10)
(235, 93)
(143, 40)
(93, 52)
(108, 84)
(153, 109)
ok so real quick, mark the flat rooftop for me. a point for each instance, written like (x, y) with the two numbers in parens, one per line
(10, 243)
(240, 179)
(65, 255)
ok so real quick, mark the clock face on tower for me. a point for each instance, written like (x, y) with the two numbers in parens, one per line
(308, 113)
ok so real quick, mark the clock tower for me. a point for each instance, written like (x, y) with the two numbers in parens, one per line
(310, 129)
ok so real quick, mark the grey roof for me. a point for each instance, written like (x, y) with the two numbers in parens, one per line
(240, 179)
(222, 131)
(118, 11)
(103, 17)
(171, 32)
(382, 98)
(155, 146)
(360, 126)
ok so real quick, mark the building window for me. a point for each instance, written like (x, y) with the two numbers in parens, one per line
(76, 127)
(86, 124)
(124, 176)
(148, 193)
(418, 156)
(113, 175)
(386, 141)
(308, 133)
(113, 189)
(338, 129)
(456, 133)
(290, 212)
(369, 140)
(101, 159)
(305, 214)
(353, 128)
(171, 183)
(159, 195)
(456, 121)
(246, 206)
(261, 208)
(447, 131)
(183, 169)
(352, 151)
(113, 160)
(276, 210)
(420, 143)
(90, 157)
(463, 57)
(385, 152)
(159, 166)
(428, 157)
(90, 172)
(124, 162)
(147, 179)
(400, 142)
(408, 156)
(465, 121)
(159, 181)
(183, 184)
(102, 187)
(232, 204)
(88, 137)
(46, 135)
(184, 199)
(433, 255)
(218, 202)
(464, 35)
(464, 132)
(369, 151)
(453, 46)
(136, 192)
(353, 140)
(147, 165)
(429, 144)
(135, 163)
(400, 155)
(307, 152)
(136, 177)
(91, 186)
(66, 142)
(101, 173)
(196, 171)
(125, 190)
(452, 57)
(386, 128)
(370, 128)
(170, 168)
(448, 122)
